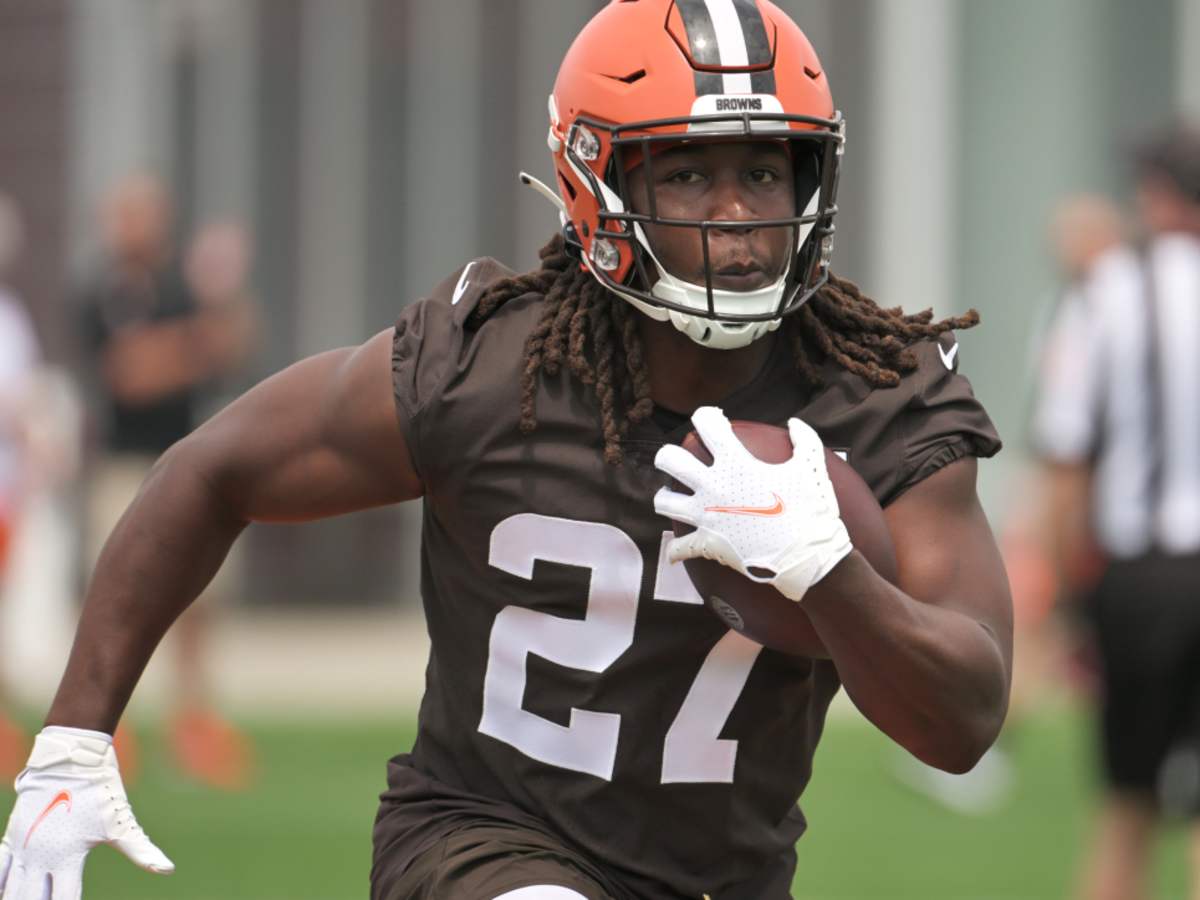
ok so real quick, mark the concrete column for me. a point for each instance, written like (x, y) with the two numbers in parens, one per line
(333, 167)
(118, 117)
(1187, 58)
(546, 29)
(445, 147)
(912, 166)
(1035, 126)
(226, 152)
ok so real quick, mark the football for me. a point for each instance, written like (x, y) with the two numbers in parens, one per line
(758, 610)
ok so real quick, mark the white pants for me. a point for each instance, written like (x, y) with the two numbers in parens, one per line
(542, 892)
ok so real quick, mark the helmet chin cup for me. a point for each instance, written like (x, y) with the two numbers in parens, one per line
(718, 335)
(711, 333)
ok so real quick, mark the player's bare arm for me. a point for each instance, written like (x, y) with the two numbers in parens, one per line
(929, 661)
(926, 658)
(319, 439)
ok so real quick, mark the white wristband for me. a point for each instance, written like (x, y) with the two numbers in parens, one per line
(67, 731)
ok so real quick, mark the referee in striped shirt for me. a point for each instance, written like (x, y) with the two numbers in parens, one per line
(1117, 423)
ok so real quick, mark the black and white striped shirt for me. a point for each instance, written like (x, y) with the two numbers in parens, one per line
(1120, 387)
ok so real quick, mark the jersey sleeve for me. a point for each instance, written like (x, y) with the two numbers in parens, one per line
(427, 343)
(940, 420)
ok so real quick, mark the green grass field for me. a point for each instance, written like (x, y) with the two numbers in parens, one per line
(303, 833)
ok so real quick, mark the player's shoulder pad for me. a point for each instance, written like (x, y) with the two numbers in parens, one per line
(938, 358)
(430, 334)
(936, 417)
(937, 384)
(461, 291)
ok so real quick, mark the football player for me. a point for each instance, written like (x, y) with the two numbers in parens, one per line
(589, 729)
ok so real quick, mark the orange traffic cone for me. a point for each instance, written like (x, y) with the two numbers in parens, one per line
(211, 750)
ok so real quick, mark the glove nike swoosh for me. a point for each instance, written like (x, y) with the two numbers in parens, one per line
(63, 797)
(775, 510)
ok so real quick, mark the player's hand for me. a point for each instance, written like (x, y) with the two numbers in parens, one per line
(69, 799)
(777, 524)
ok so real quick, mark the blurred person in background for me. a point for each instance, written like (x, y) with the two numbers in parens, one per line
(19, 358)
(161, 329)
(1082, 230)
(1046, 571)
(1042, 570)
(1117, 426)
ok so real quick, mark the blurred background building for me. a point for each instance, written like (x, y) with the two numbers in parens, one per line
(370, 146)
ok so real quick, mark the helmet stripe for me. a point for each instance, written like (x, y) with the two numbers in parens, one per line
(754, 28)
(763, 82)
(702, 36)
(709, 83)
(729, 34)
(758, 45)
(731, 42)
(731, 39)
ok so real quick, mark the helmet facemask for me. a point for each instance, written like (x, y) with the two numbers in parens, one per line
(711, 316)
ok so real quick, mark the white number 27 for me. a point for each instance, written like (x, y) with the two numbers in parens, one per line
(692, 750)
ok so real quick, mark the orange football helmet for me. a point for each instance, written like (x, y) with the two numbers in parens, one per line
(644, 75)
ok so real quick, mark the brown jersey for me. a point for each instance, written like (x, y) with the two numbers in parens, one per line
(576, 682)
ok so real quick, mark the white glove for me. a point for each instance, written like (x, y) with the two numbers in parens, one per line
(776, 524)
(69, 799)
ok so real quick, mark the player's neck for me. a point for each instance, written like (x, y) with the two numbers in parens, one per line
(684, 375)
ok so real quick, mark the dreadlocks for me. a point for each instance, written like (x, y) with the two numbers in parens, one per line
(597, 339)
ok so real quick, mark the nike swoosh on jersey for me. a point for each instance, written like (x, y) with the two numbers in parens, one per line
(461, 287)
(60, 798)
(948, 356)
(774, 510)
